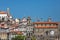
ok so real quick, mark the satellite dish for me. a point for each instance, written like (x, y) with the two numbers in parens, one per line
(52, 32)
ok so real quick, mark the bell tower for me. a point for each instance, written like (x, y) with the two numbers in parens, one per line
(28, 20)
(8, 13)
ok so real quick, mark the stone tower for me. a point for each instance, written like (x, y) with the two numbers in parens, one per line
(29, 21)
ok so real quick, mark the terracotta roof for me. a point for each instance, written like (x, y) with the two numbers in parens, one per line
(45, 22)
(4, 32)
(17, 32)
(47, 27)
(14, 25)
(2, 12)
(3, 26)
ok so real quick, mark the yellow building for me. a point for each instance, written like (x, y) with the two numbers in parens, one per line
(3, 36)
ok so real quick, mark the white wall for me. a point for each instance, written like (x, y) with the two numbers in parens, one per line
(3, 15)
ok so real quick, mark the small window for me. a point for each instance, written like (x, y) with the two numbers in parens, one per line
(2, 24)
(45, 24)
(41, 24)
(37, 24)
(49, 24)
(46, 32)
(3, 19)
(37, 30)
(53, 24)
(59, 29)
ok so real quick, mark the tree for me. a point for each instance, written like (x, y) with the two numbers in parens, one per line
(19, 37)
(33, 38)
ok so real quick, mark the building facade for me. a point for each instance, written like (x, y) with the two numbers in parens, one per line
(10, 28)
(46, 30)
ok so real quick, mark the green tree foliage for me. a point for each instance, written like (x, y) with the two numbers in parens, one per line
(19, 37)
(33, 38)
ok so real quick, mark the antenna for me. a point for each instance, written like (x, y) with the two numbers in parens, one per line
(41, 19)
(38, 20)
(49, 19)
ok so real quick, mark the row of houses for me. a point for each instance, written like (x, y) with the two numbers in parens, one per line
(10, 27)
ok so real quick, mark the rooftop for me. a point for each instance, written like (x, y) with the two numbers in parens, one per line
(2, 12)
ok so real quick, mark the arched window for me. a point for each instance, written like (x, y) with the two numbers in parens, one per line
(3, 18)
(46, 32)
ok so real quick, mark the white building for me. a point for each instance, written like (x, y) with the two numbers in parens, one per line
(3, 16)
(23, 25)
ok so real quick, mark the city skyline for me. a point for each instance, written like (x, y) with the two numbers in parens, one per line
(33, 8)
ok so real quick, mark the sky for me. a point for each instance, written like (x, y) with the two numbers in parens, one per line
(36, 9)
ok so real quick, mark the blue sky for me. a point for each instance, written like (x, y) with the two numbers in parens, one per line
(33, 8)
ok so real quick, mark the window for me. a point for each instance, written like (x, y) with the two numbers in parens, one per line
(59, 29)
(3, 18)
(2, 24)
(35, 25)
(54, 24)
(41, 24)
(37, 30)
(45, 24)
(49, 24)
(46, 32)
(41, 30)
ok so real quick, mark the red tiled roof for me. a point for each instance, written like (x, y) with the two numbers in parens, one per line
(3, 26)
(14, 25)
(4, 32)
(18, 32)
(2, 12)
(46, 27)
(45, 22)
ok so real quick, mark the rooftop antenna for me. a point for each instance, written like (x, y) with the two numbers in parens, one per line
(49, 19)
(41, 19)
(38, 20)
